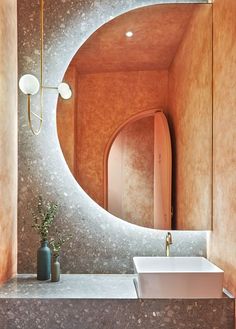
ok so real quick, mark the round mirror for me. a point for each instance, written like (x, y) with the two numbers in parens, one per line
(125, 120)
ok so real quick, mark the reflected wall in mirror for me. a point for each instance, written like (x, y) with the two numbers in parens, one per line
(166, 65)
(138, 158)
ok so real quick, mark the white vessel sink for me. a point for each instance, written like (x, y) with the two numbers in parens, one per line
(178, 277)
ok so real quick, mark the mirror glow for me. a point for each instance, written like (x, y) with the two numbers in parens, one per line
(113, 81)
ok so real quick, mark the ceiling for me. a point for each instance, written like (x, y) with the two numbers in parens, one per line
(157, 33)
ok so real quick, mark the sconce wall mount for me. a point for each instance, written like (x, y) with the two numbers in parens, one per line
(30, 85)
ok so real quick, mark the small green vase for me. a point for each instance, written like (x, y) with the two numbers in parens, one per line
(44, 262)
(56, 271)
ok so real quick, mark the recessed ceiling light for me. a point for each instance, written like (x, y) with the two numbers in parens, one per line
(129, 34)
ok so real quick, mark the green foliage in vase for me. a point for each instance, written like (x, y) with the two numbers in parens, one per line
(57, 243)
(43, 219)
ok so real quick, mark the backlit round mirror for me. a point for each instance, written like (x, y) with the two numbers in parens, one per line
(136, 133)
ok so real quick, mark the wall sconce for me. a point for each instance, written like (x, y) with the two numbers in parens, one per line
(30, 85)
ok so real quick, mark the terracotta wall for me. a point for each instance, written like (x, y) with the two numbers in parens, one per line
(133, 92)
(190, 104)
(8, 138)
(66, 119)
(131, 187)
(222, 243)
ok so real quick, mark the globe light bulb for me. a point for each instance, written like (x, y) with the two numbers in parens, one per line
(29, 84)
(64, 90)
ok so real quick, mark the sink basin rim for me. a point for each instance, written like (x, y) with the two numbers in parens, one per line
(178, 277)
(156, 264)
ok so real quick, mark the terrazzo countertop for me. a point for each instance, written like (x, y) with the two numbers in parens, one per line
(75, 286)
(103, 301)
(79, 286)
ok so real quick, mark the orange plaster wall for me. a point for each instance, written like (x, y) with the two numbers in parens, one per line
(190, 105)
(133, 184)
(222, 243)
(98, 116)
(8, 139)
(66, 120)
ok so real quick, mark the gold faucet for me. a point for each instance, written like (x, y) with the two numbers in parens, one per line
(168, 243)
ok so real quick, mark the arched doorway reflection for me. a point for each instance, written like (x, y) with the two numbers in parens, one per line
(138, 171)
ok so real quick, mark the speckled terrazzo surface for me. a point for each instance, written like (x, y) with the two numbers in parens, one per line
(86, 286)
(101, 243)
(115, 314)
(103, 301)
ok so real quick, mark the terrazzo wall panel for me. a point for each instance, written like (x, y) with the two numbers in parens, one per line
(8, 138)
(190, 102)
(101, 243)
(222, 243)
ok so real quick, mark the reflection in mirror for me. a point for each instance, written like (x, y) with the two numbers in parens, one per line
(164, 64)
(138, 174)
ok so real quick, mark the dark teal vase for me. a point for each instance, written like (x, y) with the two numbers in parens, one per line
(44, 262)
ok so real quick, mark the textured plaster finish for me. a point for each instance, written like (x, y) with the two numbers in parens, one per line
(8, 138)
(101, 243)
(157, 32)
(106, 101)
(116, 314)
(190, 105)
(222, 243)
(134, 147)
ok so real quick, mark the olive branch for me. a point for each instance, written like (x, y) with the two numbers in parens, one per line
(43, 220)
(57, 243)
